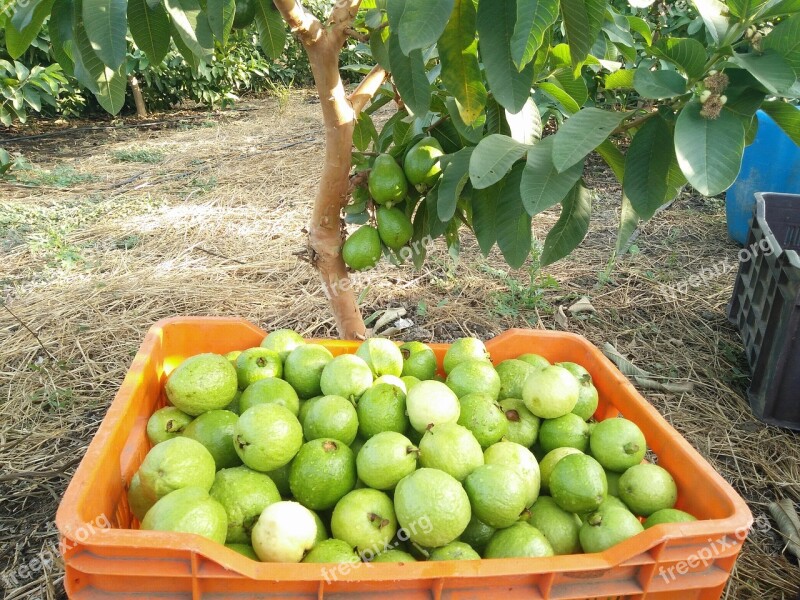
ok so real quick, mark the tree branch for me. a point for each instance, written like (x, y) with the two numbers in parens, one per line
(357, 35)
(342, 16)
(635, 123)
(301, 22)
(367, 88)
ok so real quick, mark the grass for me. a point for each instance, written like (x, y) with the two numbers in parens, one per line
(143, 155)
(59, 177)
(520, 299)
(45, 232)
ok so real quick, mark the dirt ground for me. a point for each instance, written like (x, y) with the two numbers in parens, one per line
(109, 230)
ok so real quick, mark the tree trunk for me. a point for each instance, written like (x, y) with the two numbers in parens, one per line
(323, 45)
(138, 99)
(325, 231)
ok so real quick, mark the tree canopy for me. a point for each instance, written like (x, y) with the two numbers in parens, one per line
(665, 93)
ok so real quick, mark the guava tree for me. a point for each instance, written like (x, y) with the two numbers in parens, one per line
(470, 84)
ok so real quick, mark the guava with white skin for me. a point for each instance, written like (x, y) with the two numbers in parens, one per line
(431, 403)
(285, 531)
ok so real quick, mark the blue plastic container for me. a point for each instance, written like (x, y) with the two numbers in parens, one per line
(770, 164)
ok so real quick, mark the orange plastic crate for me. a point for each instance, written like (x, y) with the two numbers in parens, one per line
(105, 558)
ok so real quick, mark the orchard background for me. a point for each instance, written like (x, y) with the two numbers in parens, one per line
(110, 223)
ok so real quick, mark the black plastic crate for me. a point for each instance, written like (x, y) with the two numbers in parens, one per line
(766, 308)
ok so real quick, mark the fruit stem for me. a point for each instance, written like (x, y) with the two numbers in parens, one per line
(631, 448)
(595, 519)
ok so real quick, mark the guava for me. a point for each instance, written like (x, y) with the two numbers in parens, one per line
(267, 436)
(431, 403)
(282, 341)
(284, 532)
(166, 423)
(244, 494)
(550, 392)
(200, 383)
(188, 510)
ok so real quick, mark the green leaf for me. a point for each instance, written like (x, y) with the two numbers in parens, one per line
(364, 132)
(571, 227)
(149, 28)
(750, 130)
(458, 53)
(387, 131)
(583, 20)
(513, 223)
(658, 84)
(271, 29)
(571, 92)
(61, 38)
(628, 223)
(786, 116)
(23, 13)
(785, 40)
(779, 8)
(572, 85)
(421, 230)
(447, 135)
(510, 86)
(471, 133)
(191, 24)
(582, 133)
(744, 92)
(408, 73)
(109, 85)
(769, 68)
(493, 158)
(744, 9)
(378, 46)
(613, 158)
(651, 168)
(19, 40)
(621, 79)
(534, 18)
(220, 18)
(435, 226)
(641, 27)
(422, 22)
(484, 215)
(495, 118)
(106, 25)
(542, 186)
(618, 31)
(526, 125)
(558, 94)
(709, 151)
(712, 12)
(373, 17)
(454, 177)
(686, 53)
(188, 56)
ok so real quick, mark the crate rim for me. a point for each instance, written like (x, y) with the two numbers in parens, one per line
(761, 216)
(69, 523)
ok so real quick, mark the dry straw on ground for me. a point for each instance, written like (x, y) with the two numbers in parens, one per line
(216, 228)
